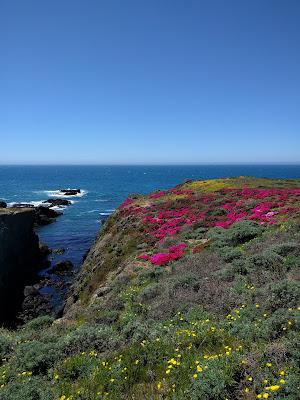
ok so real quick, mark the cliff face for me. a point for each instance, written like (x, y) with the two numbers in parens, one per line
(19, 255)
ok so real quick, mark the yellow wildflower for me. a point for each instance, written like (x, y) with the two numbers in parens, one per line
(275, 388)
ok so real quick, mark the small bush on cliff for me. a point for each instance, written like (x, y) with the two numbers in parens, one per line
(6, 343)
(238, 233)
(91, 337)
(29, 388)
(37, 356)
(284, 294)
(267, 260)
(287, 248)
(150, 292)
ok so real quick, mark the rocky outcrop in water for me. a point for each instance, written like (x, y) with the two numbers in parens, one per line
(70, 192)
(58, 202)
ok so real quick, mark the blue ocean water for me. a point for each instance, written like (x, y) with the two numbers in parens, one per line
(104, 188)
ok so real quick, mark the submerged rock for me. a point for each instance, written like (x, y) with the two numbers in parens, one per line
(59, 251)
(62, 267)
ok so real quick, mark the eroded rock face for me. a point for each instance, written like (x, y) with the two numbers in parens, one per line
(19, 258)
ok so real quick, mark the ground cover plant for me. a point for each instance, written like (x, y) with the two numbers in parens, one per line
(188, 293)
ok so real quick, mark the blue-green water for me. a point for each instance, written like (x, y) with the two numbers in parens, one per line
(105, 187)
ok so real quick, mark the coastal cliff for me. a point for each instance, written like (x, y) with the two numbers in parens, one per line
(19, 255)
(187, 293)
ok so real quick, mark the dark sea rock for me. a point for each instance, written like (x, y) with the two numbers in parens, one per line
(58, 202)
(45, 215)
(3, 204)
(70, 192)
(62, 267)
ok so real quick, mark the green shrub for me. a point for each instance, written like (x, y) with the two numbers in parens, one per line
(287, 248)
(238, 233)
(107, 317)
(6, 343)
(150, 292)
(291, 262)
(185, 281)
(267, 260)
(228, 254)
(136, 331)
(217, 383)
(277, 324)
(33, 388)
(39, 323)
(239, 267)
(91, 337)
(152, 274)
(284, 294)
(36, 356)
(195, 234)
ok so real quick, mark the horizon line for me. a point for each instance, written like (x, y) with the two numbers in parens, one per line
(295, 163)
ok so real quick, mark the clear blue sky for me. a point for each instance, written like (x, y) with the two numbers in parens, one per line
(149, 81)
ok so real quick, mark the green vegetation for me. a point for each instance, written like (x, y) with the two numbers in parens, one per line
(218, 321)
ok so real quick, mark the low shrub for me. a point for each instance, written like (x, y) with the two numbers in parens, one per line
(287, 248)
(29, 388)
(228, 254)
(150, 292)
(284, 294)
(91, 337)
(185, 281)
(6, 343)
(238, 233)
(267, 260)
(37, 356)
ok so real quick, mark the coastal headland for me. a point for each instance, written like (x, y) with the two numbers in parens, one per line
(187, 293)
